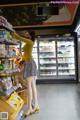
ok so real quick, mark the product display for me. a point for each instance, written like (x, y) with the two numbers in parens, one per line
(10, 101)
(7, 69)
(56, 57)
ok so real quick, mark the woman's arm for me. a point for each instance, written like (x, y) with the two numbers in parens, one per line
(16, 36)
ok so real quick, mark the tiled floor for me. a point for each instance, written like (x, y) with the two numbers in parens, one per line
(58, 102)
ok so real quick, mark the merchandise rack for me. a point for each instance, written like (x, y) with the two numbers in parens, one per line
(10, 98)
(7, 28)
(7, 42)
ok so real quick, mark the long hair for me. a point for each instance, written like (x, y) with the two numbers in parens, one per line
(32, 34)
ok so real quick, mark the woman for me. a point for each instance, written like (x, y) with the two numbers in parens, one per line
(29, 72)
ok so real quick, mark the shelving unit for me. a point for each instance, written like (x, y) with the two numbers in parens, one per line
(9, 98)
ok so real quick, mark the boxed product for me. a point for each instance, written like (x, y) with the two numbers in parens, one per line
(15, 101)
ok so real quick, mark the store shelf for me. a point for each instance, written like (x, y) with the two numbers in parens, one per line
(47, 74)
(65, 63)
(66, 74)
(47, 68)
(5, 57)
(34, 52)
(11, 73)
(49, 63)
(66, 68)
(47, 57)
(7, 42)
(7, 28)
(65, 57)
(46, 51)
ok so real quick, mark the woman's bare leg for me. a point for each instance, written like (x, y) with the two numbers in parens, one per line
(34, 92)
(29, 93)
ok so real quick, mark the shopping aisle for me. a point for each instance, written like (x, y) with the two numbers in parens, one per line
(58, 102)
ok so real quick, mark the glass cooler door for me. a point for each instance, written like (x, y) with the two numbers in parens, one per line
(35, 53)
(47, 57)
(66, 58)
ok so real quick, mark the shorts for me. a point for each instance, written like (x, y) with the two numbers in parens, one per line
(30, 69)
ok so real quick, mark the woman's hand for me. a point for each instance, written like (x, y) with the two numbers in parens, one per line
(12, 33)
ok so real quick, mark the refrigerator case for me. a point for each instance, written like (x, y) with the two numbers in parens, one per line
(47, 57)
(66, 57)
(35, 53)
(56, 57)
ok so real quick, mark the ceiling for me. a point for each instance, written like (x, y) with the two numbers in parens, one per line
(22, 14)
(3, 2)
